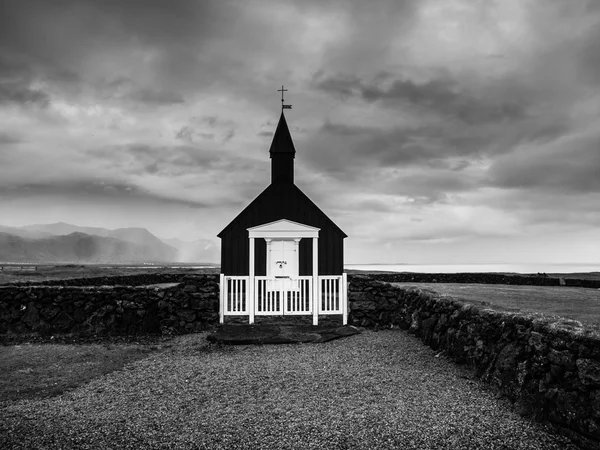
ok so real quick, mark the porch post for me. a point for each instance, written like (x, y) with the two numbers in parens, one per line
(344, 289)
(315, 265)
(268, 256)
(222, 289)
(250, 287)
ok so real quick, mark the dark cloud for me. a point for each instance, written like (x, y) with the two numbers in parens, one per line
(571, 164)
(84, 41)
(9, 138)
(177, 161)
(20, 93)
(94, 190)
(16, 79)
(44, 28)
(127, 90)
(442, 94)
(589, 56)
(346, 149)
(207, 127)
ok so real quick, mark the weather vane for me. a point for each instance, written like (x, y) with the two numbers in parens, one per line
(282, 90)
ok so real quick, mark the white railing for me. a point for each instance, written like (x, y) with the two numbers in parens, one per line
(268, 300)
(332, 298)
(299, 300)
(234, 298)
(283, 296)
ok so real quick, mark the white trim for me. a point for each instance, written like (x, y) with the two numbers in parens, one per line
(222, 298)
(344, 299)
(250, 288)
(315, 286)
(283, 229)
(268, 271)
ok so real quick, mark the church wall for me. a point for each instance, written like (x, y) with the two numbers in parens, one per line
(281, 202)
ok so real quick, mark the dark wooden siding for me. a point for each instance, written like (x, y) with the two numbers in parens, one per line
(281, 201)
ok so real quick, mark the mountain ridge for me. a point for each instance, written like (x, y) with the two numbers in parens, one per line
(63, 242)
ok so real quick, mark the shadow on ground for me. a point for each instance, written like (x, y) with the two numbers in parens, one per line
(260, 334)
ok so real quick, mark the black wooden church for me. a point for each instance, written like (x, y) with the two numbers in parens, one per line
(282, 255)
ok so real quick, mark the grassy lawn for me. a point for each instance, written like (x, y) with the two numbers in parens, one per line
(33, 371)
(62, 272)
(574, 303)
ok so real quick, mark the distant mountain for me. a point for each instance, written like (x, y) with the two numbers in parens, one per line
(139, 236)
(24, 233)
(100, 245)
(79, 248)
(201, 250)
(61, 228)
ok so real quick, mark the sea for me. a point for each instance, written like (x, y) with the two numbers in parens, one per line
(479, 268)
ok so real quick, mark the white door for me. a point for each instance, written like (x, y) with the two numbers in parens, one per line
(283, 267)
(283, 259)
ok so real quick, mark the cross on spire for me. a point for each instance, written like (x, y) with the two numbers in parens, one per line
(282, 90)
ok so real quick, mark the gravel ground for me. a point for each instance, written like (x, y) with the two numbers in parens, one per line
(374, 390)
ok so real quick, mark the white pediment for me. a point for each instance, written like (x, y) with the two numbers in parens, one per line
(283, 229)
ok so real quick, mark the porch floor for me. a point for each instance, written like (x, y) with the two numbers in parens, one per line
(280, 333)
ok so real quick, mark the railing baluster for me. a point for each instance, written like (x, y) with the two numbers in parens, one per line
(236, 295)
(229, 283)
(235, 285)
(244, 300)
(270, 300)
(334, 295)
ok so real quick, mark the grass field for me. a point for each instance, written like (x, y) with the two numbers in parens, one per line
(62, 272)
(31, 371)
(574, 303)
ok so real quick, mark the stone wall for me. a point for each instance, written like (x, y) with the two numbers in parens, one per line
(116, 280)
(484, 278)
(188, 306)
(549, 368)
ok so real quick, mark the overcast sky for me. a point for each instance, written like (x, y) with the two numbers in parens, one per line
(431, 131)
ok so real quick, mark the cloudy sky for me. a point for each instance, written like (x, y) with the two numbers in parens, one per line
(431, 131)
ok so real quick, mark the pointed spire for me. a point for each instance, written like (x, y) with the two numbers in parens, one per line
(282, 139)
(282, 154)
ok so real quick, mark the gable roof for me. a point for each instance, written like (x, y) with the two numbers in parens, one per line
(292, 200)
(283, 225)
(282, 139)
(283, 228)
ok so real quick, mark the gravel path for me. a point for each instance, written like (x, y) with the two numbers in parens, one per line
(374, 390)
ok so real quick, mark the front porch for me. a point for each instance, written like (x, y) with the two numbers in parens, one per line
(270, 296)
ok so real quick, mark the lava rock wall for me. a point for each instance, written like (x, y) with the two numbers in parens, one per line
(484, 278)
(188, 306)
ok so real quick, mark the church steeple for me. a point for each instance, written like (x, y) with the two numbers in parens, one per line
(282, 153)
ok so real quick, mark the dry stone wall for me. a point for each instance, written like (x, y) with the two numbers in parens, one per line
(141, 279)
(485, 278)
(187, 306)
(549, 368)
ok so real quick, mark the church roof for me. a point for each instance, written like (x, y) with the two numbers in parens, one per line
(282, 201)
(282, 139)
